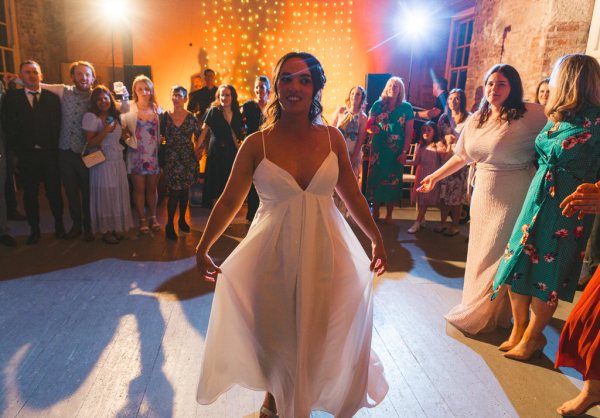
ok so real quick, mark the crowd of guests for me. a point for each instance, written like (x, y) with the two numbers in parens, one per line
(527, 245)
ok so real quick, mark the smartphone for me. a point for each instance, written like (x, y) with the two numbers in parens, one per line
(118, 88)
(109, 120)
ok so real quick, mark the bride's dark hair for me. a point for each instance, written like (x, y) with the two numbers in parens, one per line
(318, 81)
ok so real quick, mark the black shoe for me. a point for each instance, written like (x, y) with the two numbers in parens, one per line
(88, 236)
(109, 238)
(74, 232)
(35, 236)
(16, 216)
(59, 231)
(184, 228)
(8, 240)
(170, 232)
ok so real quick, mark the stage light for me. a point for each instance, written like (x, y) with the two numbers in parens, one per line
(114, 10)
(414, 22)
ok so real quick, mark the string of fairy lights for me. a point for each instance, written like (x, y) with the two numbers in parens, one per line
(245, 38)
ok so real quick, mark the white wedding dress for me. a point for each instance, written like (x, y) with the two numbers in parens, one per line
(293, 307)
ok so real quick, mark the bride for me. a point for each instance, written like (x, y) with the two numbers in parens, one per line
(292, 312)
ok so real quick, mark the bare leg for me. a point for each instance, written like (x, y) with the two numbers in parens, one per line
(519, 305)
(376, 211)
(455, 211)
(421, 211)
(151, 193)
(533, 339)
(268, 404)
(139, 188)
(588, 397)
(444, 209)
(389, 211)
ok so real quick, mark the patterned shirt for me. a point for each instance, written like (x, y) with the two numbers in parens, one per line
(75, 104)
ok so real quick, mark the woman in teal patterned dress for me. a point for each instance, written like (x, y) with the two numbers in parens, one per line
(391, 123)
(543, 258)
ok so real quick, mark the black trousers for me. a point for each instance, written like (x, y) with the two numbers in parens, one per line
(9, 184)
(76, 180)
(36, 167)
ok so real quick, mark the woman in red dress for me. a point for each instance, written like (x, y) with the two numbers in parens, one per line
(579, 345)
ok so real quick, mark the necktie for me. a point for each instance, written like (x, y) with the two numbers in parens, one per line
(35, 98)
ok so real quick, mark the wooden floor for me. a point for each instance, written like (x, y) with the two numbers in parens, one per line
(92, 330)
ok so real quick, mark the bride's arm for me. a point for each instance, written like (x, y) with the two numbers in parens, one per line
(347, 188)
(228, 205)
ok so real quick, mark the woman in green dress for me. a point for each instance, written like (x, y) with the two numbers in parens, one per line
(391, 124)
(543, 257)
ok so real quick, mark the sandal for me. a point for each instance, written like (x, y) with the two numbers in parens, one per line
(154, 223)
(451, 233)
(144, 226)
(439, 229)
(414, 228)
(109, 238)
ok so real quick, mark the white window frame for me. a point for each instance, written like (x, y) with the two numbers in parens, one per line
(593, 44)
(13, 39)
(465, 14)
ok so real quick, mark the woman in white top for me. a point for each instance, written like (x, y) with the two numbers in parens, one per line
(499, 137)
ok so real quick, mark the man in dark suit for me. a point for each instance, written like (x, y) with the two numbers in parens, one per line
(200, 100)
(31, 118)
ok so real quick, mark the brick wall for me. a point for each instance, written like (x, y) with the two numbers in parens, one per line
(541, 32)
(41, 35)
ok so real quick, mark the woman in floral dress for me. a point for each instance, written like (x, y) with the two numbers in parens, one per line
(179, 129)
(141, 124)
(391, 123)
(454, 187)
(543, 258)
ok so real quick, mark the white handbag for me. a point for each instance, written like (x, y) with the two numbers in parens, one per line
(93, 158)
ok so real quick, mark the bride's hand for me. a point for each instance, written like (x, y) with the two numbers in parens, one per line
(379, 259)
(207, 267)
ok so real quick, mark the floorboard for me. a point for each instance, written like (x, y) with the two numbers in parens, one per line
(92, 330)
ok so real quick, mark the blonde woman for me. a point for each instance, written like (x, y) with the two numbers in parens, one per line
(141, 124)
(351, 120)
(543, 257)
(391, 123)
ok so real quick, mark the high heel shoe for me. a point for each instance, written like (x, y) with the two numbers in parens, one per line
(154, 223)
(144, 229)
(537, 350)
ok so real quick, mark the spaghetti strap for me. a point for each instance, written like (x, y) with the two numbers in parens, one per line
(262, 133)
(328, 137)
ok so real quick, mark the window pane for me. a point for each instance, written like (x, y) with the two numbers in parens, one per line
(2, 64)
(3, 35)
(10, 61)
(462, 29)
(458, 57)
(466, 57)
(2, 11)
(462, 79)
(452, 80)
(470, 32)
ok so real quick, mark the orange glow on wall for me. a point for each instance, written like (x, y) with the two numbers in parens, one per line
(241, 39)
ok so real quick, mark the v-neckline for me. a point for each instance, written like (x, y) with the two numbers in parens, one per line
(294, 178)
(173, 120)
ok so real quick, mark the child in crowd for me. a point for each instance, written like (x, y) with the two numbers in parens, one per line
(427, 160)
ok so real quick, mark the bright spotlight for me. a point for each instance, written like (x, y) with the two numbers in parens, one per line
(414, 22)
(114, 10)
